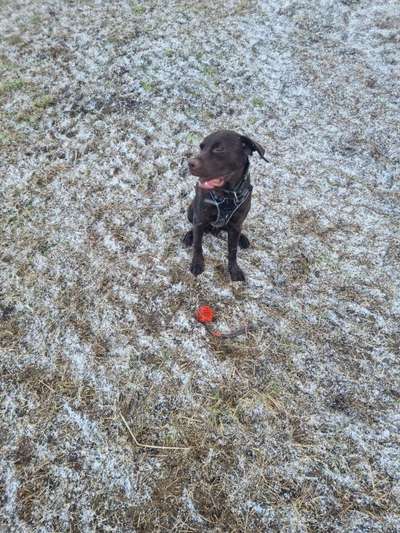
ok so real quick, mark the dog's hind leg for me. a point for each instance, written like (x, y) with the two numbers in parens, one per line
(190, 213)
(214, 231)
(243, 241)
(187, 239)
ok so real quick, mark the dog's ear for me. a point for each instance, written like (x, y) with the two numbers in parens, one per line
(251, 146)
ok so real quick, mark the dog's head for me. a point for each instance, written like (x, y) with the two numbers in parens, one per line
(223, 158)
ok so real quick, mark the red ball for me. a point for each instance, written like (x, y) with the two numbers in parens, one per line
(204, 314)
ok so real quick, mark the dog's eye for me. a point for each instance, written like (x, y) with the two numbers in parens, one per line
(218, 149)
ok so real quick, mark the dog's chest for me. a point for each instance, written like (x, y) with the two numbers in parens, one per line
(226, 205)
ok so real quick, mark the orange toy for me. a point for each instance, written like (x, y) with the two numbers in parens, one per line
(204, 314)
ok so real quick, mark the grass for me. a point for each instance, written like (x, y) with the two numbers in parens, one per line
(32, 114)
(9, 87)
(257, 102)
(118, 410)
(10, 138)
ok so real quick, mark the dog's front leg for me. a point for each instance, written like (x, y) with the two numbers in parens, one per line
(234, 269)
(197, 266)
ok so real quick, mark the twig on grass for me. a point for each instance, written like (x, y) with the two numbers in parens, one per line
(230, 334)
(47, 386)
(151, 446)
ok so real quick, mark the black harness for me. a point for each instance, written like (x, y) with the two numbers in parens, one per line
(228, 203)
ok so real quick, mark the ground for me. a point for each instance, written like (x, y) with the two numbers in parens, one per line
(291, 428)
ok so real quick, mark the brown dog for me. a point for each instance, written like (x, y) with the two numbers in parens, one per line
(223, 195)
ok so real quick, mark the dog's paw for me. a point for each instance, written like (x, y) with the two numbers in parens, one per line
(243, 241)
(187, 239)
(236, 273)
(197, 267)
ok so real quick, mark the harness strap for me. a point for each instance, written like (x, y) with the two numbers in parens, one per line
(229, 203)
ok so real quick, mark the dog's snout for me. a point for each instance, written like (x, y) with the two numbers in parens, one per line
(194, 164)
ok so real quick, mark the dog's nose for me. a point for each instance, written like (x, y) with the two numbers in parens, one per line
(193, 164)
